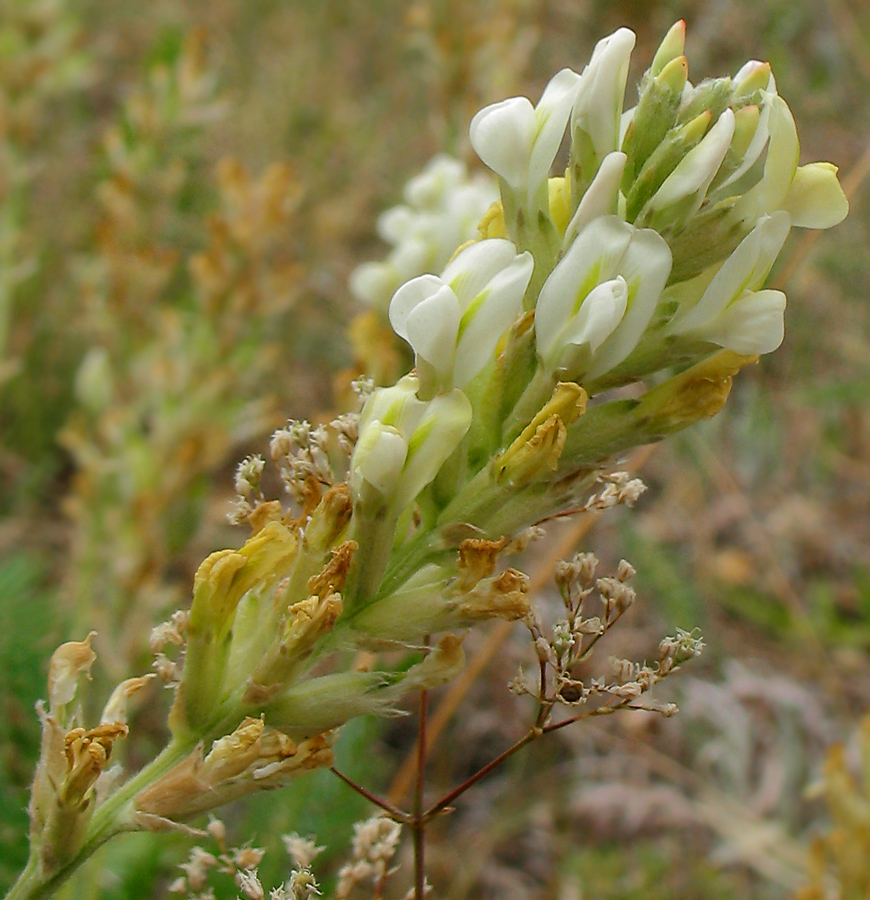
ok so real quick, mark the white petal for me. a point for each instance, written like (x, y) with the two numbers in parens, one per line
(646, 267)
(815, 198)
(379, 457)
(442, 173)
(551, 117)
(601, 196)
(779, 168)
(408, 297)
(411, 257)
(598, 107)
(476, 265)
(395, 224)
(397, 405)
(753, 324)
(600, 313)
(432, 328)
(754, 150)
(370, 282)
(699, 166)
(592, 258)
(488, 316)
(745, 269)
(503, 135)
(444, 422)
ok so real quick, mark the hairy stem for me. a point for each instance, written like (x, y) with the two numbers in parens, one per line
(110, 819)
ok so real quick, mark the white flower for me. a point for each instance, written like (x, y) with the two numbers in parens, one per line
(732, 311)
(442, 209)
(374, 283)
(746, 82)
(601, 197)
(454, 321)
(442, 175)
(780, 166)
(404, 441)
(518, 141)
(598, 300)
(601, 94)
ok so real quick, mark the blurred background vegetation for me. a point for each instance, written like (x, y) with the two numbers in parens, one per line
(184, 189)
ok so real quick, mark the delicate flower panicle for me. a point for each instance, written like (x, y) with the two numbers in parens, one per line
(302, 851)
(313, 457)
(374, 846)
(242, 864)
(572, 639)
(620, 488)
(248, 475)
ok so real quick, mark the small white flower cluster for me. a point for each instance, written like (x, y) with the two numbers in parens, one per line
(240, 863)
(441, 211)
(619, 489)
(572, 638)
(374, 845)
(166, 633)
(304, 453)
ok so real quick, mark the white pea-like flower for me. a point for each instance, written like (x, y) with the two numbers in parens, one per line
(601, 198)
(404, 441)
(601, 94)
(454, 321)
(732, 311)
(599, 299)
(442, 208)
(815, 198)
(519, 141)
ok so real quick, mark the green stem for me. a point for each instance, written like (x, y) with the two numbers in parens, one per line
(111, 818)
(536, 394)
(410, 558)
(375, 535)
(28, 883)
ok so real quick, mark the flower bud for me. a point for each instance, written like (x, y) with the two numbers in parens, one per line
(404, 441)
(655, 115)
(598, 105)
(732, 311)
(662, 162)
(221, 582)
(325, 702)
(685, 188)
(254, 757)
(671, 48)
